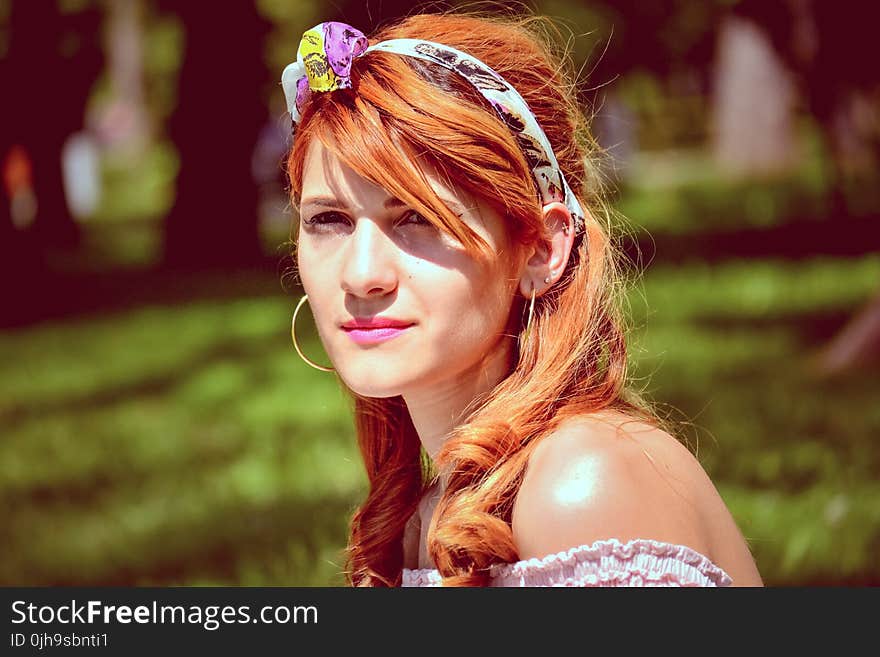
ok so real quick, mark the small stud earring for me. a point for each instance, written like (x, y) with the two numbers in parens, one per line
(547, 280)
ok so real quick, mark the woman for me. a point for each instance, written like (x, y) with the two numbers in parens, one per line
(463, 287)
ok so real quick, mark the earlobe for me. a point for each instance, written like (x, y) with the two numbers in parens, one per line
(548, 260)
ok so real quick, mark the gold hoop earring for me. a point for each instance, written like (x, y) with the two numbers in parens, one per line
(295, 344)
(528, 329)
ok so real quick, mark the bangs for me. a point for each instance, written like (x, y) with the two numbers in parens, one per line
(353, 130)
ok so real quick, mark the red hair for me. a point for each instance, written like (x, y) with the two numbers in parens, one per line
(574, 364)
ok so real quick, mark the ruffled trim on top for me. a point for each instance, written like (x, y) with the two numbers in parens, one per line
(607, 562)
(421, 577)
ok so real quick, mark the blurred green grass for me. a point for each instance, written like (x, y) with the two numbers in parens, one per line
(172, 445)
(190, 445)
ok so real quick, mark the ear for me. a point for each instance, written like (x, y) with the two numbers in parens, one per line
(548, 258)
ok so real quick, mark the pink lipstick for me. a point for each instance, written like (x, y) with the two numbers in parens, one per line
(375, 329)
(375, 335)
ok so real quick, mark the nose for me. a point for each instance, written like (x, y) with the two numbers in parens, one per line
(370, 267)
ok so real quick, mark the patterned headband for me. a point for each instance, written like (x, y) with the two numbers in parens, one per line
(323, 63)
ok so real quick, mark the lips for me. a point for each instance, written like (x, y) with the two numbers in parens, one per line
(376, 335)
(371, 323)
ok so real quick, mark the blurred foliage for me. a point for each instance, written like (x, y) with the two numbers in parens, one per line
(139, 187)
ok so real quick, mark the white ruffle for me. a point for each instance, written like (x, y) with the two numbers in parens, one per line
(607, 562)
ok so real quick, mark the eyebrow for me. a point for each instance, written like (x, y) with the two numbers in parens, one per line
(390, 202)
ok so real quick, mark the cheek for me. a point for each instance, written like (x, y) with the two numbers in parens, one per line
(310, 271)
(479, 311)
(316, 280)
(495, 307)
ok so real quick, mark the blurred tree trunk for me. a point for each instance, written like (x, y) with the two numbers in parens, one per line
(215, 218)
(753, 102)
(125, 66)
(9, 235)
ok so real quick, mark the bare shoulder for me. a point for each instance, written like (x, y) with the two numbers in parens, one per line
(610, 476)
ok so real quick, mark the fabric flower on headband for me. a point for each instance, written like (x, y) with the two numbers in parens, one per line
(323, 63)
(325, 54)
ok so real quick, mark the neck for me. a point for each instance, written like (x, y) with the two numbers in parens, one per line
(437, 410)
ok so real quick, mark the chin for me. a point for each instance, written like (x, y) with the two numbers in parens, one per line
(369, 379)
(370, 388)
(379, 372)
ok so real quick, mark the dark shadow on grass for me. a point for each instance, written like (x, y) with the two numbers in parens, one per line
(812, 328)
(793, 240)
(103, 483)
(52, 294)
(14, 413)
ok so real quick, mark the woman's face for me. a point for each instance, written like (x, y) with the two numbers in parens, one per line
(362, 254)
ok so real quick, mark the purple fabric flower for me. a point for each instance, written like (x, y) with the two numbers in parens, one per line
(343, 43)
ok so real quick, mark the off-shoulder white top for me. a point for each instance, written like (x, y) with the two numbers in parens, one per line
(639, 562)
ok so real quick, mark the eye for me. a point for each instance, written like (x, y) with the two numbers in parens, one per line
(421, 219)
(324, 218)
(329, 218)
